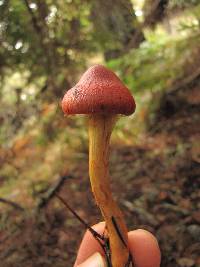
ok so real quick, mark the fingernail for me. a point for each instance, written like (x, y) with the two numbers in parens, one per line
(96, 260)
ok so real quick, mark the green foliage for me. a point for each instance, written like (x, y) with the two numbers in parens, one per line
(155, 65)
(182, 3)
(44, 37)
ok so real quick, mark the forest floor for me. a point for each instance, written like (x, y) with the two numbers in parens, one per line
(155, 182)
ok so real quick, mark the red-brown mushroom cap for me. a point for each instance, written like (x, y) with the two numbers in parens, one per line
(98, 91)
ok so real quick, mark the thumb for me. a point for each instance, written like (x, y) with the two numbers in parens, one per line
(96, 260)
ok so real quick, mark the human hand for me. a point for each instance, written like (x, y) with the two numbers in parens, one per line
(143, 247)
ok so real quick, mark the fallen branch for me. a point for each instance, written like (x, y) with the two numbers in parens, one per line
(11, 203)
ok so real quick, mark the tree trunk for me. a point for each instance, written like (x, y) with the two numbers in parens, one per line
(117, 26)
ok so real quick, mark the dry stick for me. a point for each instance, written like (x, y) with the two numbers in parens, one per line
(11, 203)
(103, 242)
(79, 218)
(52, 192)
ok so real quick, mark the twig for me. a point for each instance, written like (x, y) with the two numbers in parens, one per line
(103, 242)
(52, 192)
(79, 218)
(11, 203)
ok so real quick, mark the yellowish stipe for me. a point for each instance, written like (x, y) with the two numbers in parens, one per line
(100, 129)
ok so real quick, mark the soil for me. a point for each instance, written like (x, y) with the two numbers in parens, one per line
(156, 183)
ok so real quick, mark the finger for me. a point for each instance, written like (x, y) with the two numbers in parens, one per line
(96, 260)
(144, 248)
(89, 244)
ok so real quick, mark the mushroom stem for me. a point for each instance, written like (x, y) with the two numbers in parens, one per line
(100, 129)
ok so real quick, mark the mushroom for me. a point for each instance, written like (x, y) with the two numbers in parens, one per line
(101, 95)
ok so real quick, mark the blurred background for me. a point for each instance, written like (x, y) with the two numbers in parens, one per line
(154, 47)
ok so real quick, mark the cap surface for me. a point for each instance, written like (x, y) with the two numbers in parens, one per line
(98, 91)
